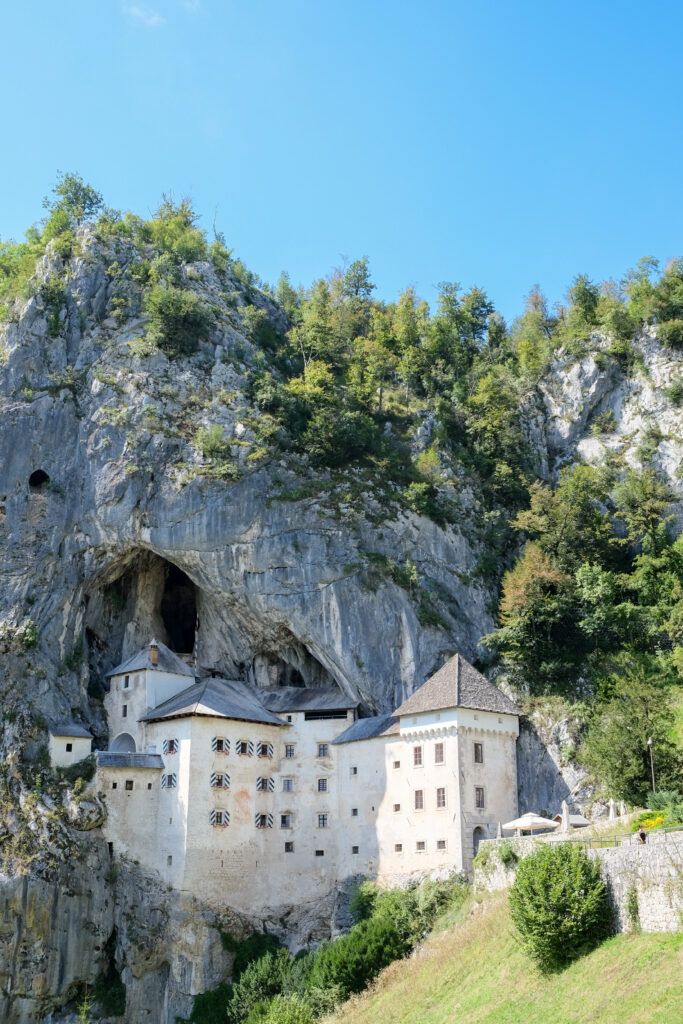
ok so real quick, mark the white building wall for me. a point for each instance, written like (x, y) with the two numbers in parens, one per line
(61, 757)
(132, 814)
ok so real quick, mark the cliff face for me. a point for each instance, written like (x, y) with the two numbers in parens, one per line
(114, 525)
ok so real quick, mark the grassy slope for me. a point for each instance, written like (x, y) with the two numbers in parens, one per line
(475, 972)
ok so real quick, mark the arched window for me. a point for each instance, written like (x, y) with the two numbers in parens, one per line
(123, 744)
(477, 836)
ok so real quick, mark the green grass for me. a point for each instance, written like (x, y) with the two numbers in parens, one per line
(474, 970)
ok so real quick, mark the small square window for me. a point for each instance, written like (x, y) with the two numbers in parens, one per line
(417, 757)
(126, 682)
(285, 821)
(243, 748)
(354, 812)
(398, 848)
(114, 785)
(289, 718)
(354, 769)
(69, 747)
(479, 801)
(354, 849)
(289, 847)
(419, 800)
(149, 785)
(124, 711)
(219, 745)
(289, 750)
(438, 753)
(322, 821)
(441, 844)
(264, 749)
(420, 846)
(288, 785)
(322, 785)
(323, 750)
(397, 808)
(169, 860)
(397, 764)
(478, 753)
(320, 853)
(129, 785)
(441, 797)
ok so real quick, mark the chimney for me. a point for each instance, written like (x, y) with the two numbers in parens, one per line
(154, 652)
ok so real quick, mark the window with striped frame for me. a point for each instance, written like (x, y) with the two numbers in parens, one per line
(264, 749)
(169, 781)
(220, 780)
(219, 819)
(220, 745)
(263, 820)
(170, 746)
(265, 784)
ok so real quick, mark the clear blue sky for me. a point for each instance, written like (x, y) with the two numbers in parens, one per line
(498, 143)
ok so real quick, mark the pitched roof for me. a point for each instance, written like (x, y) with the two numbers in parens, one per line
(70, 729)
(218, 698)
(457, 685)
(368, 728)
(302, 698)
(168, 662)
(112, 759)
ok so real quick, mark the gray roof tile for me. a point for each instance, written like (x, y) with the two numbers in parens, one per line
(168, 662)
(457, 684)
(70, 729)
(303, 698)
(368, 728)
(219, 698)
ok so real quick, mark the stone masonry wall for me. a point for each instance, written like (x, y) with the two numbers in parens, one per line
(653, 870)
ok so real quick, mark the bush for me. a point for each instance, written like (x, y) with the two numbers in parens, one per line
(178, 320)
(355, 959)
(363, 900)
(257, 983)
(283, 1009)
(671, 333)
(559, 905)
(507, 855)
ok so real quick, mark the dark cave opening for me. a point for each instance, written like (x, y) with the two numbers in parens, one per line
(37, 479)
(179, 609)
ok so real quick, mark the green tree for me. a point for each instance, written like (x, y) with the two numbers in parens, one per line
(74, 197)
(178, 319)
(559, 905)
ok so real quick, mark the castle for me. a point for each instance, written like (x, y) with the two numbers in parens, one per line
(261, 798)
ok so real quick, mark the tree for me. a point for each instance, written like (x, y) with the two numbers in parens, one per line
(74, 197)
(641, 500)
(559, 905)
(178, 319)
(357, 283)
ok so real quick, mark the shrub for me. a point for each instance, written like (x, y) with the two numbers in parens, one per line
(283, 1009)
(507, 855)
(671, 333)
(178, 320)
(559, 905)
(257, 982)
(603, 423)
(674, 392)
(363, 900)
(355, 959)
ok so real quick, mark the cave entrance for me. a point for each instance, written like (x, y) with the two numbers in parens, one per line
(179, 609)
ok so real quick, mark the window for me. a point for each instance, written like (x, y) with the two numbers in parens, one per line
(149, 785)
(169, 781)
(219, 780)
(419, 800)
(220, 745)
(289, 750)
(114, 785)
(417, 757)
(420, 846)
(285, 821)
(129, 785)
(265, 785)
(354, 812)
(441, 844)
(170, 746)
(289, 847)
(126, 682)
(288, 785)
(169, 860)
(322, 821)
(438, 753)
(289, 718)
(441, 797)
(69, 747)
(398, 848)
(322, 785)
(478, 753)
(245, 748)
(219, 819)
(265, 749)
(323, 750)
(320, 853)
(263, 820)
(397, 764)
(124, 711)
(397, 808)
(354, 769)
(479, 801)
(354, 849)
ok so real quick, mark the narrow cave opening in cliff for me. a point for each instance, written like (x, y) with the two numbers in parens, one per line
(179, 609)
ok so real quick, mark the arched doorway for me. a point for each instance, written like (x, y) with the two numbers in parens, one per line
(477, 836)
(123, 744)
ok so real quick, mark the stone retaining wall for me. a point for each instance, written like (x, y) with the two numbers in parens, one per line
(654, 872)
